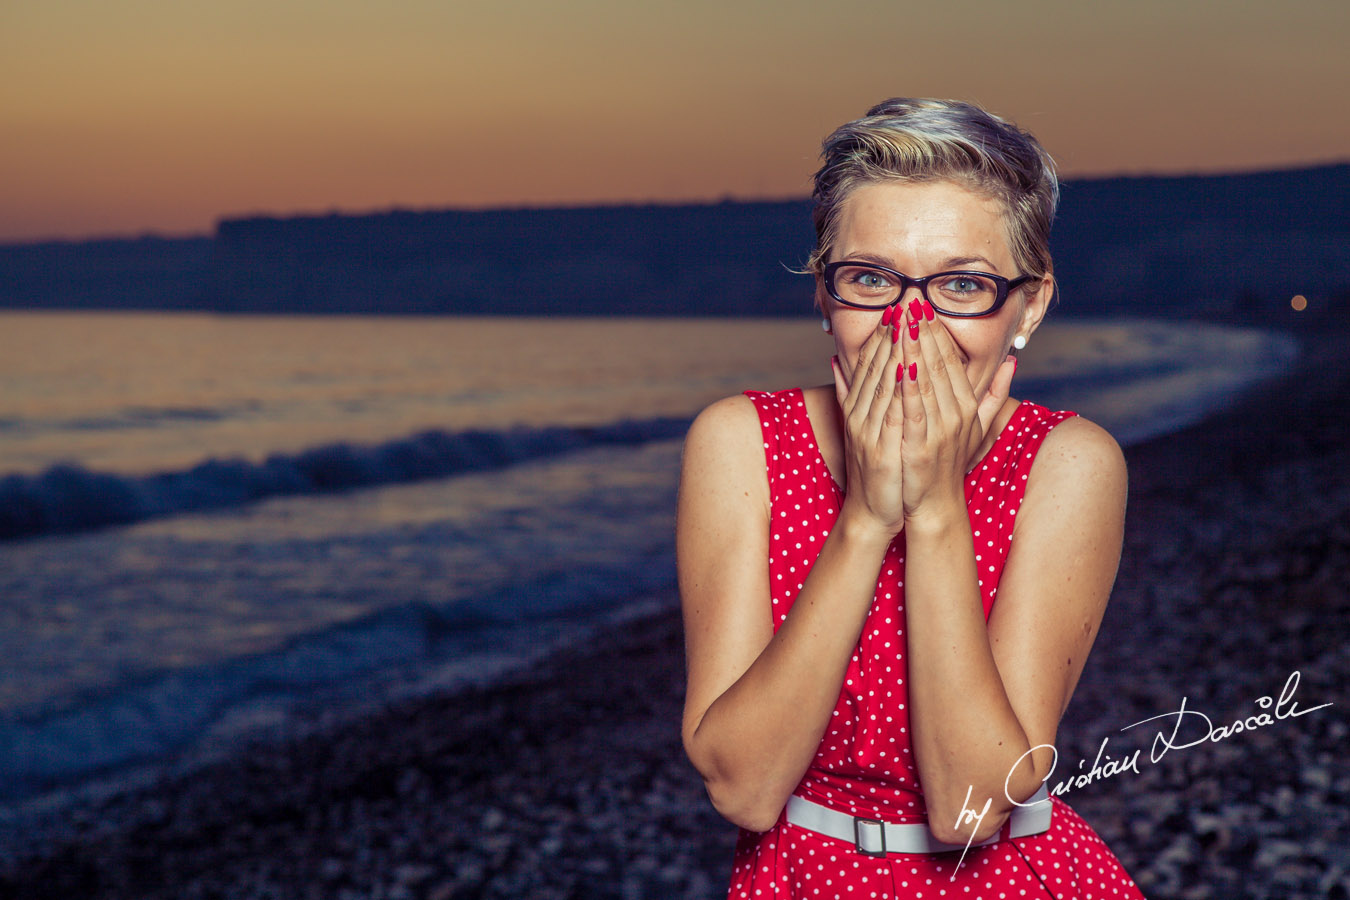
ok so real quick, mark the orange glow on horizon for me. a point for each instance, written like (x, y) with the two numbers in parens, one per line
(156, 117)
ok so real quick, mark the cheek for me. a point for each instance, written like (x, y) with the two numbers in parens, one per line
(982, 348)
(851, 331)
(847, 350)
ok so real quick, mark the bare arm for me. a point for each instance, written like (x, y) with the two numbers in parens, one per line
(982, 696)
(758, 702)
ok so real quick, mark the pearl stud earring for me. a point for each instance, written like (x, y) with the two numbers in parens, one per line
(1019, 342)
(825, 326)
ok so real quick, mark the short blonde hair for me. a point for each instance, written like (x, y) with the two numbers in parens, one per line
(907, 139)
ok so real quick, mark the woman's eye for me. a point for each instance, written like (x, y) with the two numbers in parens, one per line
(872, 280)
(961, 285)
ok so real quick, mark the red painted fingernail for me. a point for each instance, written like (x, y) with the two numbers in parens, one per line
(915, 308)
(886, 316)
(834, 362)
(914, 330)
(928, 311)
(1014, 359)
(900, 373)
(913, 371)
(895, 333)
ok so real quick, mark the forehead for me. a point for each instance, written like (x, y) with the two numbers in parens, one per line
(922, 223)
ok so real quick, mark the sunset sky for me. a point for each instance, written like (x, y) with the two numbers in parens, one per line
(122, 117)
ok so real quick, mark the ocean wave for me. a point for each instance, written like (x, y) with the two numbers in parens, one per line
(68, 497)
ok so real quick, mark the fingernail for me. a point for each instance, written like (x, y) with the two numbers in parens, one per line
(886, 316)
(913, 371)
(1014, 359)
(834, 362)
(928, 310)
(914, 330)
(915, 308)
(895, 333)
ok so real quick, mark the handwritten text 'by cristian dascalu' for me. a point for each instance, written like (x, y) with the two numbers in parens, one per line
(1197, 727)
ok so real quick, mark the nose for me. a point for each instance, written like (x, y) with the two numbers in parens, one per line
(912, 290)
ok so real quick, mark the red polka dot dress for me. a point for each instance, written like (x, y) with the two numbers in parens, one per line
(864, 765)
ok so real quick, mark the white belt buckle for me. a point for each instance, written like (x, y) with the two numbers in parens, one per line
(858, 824)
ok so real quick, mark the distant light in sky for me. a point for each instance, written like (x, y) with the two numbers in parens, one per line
(157, 115)
(1299, 303)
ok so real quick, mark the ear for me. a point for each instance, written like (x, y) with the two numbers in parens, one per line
(1036, 306)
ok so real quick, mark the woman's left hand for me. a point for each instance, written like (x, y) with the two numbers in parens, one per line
(945, 423)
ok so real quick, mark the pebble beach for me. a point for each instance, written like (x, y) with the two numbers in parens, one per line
(567, 780)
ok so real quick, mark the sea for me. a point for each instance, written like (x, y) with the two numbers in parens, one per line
(222, 529)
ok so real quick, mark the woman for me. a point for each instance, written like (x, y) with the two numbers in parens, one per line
(862, 708)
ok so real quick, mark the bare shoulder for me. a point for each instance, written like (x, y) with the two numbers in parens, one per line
(1079, 451)
(724, 455)
(1077, 481)
(728, 419)
(726, 433)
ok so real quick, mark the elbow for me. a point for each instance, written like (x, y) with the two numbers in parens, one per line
(950, 830)
(753, 810)
(960, 811)
(965, 820)
(743, 801)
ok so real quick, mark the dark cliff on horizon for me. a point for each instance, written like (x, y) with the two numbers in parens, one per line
(1224, 245)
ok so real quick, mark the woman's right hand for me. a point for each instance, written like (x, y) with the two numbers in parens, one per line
(873, 420)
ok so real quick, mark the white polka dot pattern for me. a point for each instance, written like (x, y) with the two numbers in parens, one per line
(864, 764)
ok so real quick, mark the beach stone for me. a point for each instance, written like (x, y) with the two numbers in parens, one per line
(1316, 778)
(1182, 849)
(1214, 831)
(1283, 801)
(1335, 877)
(413, 873)
(332, 870)
(1272, 853)
(493, 819)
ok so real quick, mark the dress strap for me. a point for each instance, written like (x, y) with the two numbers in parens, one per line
(786, 429)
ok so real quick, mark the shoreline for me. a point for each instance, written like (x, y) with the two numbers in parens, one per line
(567, 779)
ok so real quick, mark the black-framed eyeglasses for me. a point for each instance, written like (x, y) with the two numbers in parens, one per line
(864, 285)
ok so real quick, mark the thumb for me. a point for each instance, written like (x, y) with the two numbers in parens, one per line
(997, 394)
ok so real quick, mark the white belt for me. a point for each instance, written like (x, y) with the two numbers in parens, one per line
(873, 837)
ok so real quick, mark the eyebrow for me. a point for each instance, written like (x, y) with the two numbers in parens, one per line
(948, 264)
